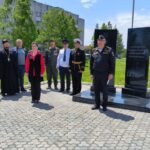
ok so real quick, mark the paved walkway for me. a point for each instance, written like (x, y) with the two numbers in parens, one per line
(57, 123)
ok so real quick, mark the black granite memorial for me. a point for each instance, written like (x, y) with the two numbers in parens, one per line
(111, 38)
(137, 62)
(135, 93)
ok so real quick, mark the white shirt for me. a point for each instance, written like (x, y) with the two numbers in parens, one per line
(100, 50)
(60, 59)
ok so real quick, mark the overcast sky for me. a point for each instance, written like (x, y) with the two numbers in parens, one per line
(98, 11)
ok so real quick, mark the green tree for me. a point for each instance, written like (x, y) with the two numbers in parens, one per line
(57, 24)
(5, 18)
(120, 46)
(23, 26)
(104, 26)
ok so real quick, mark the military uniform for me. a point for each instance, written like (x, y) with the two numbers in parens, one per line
(77, 65)
(101, 65)
(51, 61)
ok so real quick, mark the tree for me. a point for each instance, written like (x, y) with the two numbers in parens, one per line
(5, 18)
(104, 26)
(120, 46)
(58, 24)
(23, 26)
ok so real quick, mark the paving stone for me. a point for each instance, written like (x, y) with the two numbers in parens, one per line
(57, 123)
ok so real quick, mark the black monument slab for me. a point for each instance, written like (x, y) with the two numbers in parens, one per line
(111, 38)
(137, 62)
(118, 101)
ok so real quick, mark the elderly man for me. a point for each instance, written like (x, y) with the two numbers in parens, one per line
(77, 65)
(21, 54)
(102, 68)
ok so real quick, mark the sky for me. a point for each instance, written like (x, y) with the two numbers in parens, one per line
(119, 12)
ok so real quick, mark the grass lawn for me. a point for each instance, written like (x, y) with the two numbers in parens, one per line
(119, 75)
(119, 78)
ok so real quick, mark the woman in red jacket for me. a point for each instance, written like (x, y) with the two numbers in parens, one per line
(35, 68)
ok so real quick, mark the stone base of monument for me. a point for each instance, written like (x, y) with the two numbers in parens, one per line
(117, 100)
(135, 92)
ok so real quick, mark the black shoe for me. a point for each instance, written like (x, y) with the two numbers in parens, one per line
(56, 88)
(33, 101)
(67, 91)
(3, 94)
(95, 107)
(104, 108)
(72, 94)
(61, 90)
(23, 90)
(49, 88)
(36, 101)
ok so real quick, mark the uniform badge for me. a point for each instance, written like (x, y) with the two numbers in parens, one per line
(55, 53)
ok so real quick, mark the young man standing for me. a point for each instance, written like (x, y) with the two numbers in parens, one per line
(63, 61)
(77, 65)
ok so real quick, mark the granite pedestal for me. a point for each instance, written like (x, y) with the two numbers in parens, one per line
(117, 100)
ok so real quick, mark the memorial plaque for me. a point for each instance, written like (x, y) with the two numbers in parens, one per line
(111, 38)
(137, 62)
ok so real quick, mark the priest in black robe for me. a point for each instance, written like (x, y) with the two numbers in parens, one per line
(8, 68)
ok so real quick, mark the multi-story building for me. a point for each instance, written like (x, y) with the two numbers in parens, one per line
(38, 9)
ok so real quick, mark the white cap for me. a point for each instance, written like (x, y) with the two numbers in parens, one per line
(78, 41)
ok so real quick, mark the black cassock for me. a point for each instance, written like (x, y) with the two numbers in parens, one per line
(9, 72)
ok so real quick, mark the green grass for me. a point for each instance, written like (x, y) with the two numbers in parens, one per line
(119, 74)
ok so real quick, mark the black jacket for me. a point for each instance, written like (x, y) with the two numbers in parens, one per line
(77, 60)
(102, 62)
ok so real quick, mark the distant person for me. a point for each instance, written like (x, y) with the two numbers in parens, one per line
(102, 68)
(63, 61)
(51, 62)
(21, 54)
(77, 65)
(35, 68)
(9, 75)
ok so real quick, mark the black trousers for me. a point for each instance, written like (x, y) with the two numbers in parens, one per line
(64, 73)
(100, 85)
(52, 73)
(35, 90)
(76, 82)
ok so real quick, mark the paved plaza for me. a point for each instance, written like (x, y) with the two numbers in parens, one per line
(58, 123)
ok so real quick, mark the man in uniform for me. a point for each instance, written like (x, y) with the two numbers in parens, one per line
(77, 65)
(51, 61)
(102, 68)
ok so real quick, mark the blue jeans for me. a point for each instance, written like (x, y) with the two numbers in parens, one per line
(21, 72)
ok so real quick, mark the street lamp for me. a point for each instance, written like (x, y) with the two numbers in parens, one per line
(133, 9)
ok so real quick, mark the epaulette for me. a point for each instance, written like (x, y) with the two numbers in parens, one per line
(107, 48)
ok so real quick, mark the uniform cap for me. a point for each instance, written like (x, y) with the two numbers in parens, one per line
(65, 41)
(101, 37)
(77, 41)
